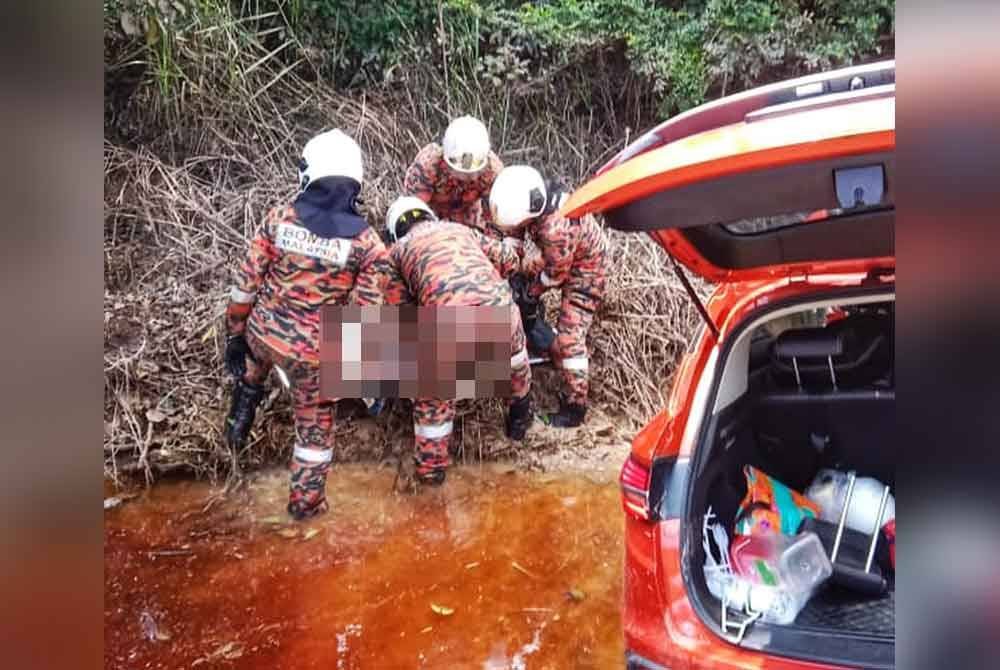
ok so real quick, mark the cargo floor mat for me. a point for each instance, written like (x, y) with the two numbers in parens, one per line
(835, 608)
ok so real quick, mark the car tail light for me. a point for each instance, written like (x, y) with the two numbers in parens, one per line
(634, 480)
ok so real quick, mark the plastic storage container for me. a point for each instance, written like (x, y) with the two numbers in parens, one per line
(804, 565)
(755, 557)
(776, 574)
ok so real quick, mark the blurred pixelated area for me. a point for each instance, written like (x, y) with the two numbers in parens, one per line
(410, 351)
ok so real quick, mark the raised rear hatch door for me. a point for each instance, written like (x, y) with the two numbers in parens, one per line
(796, 188)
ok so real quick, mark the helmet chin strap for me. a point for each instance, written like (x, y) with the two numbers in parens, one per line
(303, 176)
(556, 197)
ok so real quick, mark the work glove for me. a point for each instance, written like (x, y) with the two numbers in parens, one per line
(540, 337)
(525, 303)
(237, 351)
(519, 288)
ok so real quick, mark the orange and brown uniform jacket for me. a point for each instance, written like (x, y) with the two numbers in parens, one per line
(445, 263)
(572, 259)
(280, 287)
(452, 198)
(290, 273)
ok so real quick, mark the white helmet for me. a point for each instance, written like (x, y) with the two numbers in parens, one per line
(402, 209)
(518, 194)
(466, 145)
(330, 154)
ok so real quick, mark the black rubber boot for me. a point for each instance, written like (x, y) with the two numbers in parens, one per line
(410, 477)
(519, 418)
(570, 415)
(432, 478)
(246, 397)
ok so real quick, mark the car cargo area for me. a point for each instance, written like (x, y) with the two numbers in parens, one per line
(805, 402)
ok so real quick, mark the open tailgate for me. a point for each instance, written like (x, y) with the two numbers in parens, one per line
(798, 188)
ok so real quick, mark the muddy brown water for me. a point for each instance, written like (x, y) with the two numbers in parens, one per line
(523, 570)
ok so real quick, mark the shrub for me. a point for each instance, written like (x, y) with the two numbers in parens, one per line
(675, 54)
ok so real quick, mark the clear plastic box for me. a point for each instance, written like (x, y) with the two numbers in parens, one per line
(777, 574)
(804, 565)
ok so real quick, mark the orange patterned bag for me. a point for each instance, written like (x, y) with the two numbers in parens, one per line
(771, 507)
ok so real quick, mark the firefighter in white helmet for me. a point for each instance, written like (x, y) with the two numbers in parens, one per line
(455, 177)
(571, 260)
(314, 251)
(436, 262)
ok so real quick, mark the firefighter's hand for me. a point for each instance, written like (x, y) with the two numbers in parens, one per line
(519, 287)
(237, 351)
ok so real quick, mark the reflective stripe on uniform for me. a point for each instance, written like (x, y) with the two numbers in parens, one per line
(576, 363)
(520, 358)
(313, 455)
(547, 280)
(237, 295)
(432, 431)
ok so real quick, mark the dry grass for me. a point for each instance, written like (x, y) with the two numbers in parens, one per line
(185, 191)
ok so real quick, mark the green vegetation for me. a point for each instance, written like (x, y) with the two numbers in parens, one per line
(669, 55)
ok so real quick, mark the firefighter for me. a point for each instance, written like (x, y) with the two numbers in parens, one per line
(455, 177)
(570, 258)
(446, 263)
(315, 251)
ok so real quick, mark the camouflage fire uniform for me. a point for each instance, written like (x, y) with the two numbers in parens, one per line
(445, 263)
(451, 197)
(573, 260)
(279, 289)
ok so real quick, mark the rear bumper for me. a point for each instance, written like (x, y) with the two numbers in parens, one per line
(660, 628)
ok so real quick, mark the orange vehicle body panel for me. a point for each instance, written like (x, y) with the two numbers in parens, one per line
(658, 620)
(860, 128)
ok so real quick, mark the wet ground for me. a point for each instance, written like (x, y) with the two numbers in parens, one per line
(496, 569)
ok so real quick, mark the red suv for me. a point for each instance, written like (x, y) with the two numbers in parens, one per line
(783, 197)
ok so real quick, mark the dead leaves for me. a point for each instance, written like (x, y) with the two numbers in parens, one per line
(280, 526)
(155, 416)
(441, 610)
(210, 334)
(230, 651)
(273, 520)
(116, 501)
